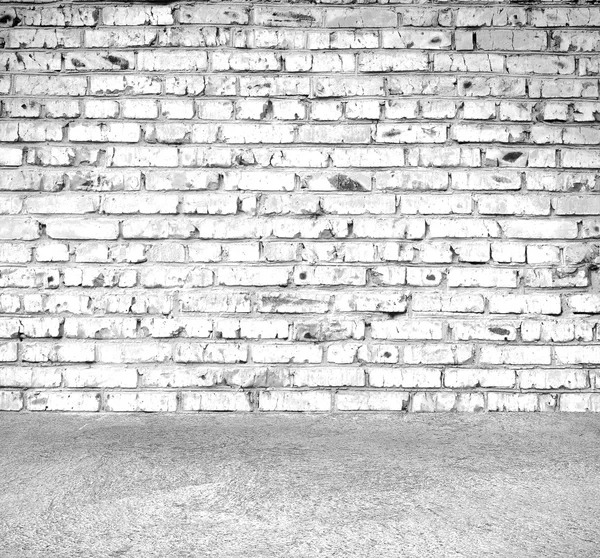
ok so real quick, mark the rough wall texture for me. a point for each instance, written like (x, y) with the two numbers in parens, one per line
(253, 206)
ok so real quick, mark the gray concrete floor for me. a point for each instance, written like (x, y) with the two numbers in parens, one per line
(299, 485)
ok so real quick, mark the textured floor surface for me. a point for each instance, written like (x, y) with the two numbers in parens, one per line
(300, 486)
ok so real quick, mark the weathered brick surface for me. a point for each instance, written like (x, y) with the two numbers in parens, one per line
(299, 206)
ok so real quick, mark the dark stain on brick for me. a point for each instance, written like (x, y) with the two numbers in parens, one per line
(267, 111)
(501, 179)
(346, 184)
(394, 314)
(123, 63)
(39, 400)
(306, 18)
(242, 161)
(577, 186)
(9, 20)
(430, 277)
(231, 14)
(500, 331)
(567, 272)
(436, 40)
(512, 156)
(387, 354)
(302, 275)
(410, 44)
(77, 63)
(467, 84)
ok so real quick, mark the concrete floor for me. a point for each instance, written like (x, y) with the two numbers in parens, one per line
(509, 485)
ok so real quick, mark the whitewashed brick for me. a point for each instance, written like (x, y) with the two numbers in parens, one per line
(372, 401)
(79, 401)
(243, 207)
(295, 401)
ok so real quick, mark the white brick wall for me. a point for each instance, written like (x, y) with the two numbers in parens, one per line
(245, 206)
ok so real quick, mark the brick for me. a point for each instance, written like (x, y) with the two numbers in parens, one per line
(137, 15)
(109, 132)
(515, 355)
(468, 62)
(490, 16)
(405, 377)
(8, 352)
(348, 86)
(287, 17)
(444, 402)
(105, 377)
(11, 400)
(579, 402)
(437, 354)
(215, 401)
(394, 329)
(515, 402)
(50, 85)
(286, 354)
(144, 157)
(589, 354)
(462, 228)
(52, 253)
(360, 17)
(539, 229)
(68, 16)
(133, 352)
(295, 401)
(474, 378)
(372, 401)
(252, 86)
(392, 62)
(18, 228)
(157, 61)
(425, 302)
(11, 156)
(390, 301)
(325, 377)
(213, 15)
(409, 38)
(253, 276)
(509, 39)
(148, 402)
(74, 228)
(79, 401)
(14, 253)
(553, 379)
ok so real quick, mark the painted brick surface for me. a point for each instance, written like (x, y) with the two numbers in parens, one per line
(216, 206)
